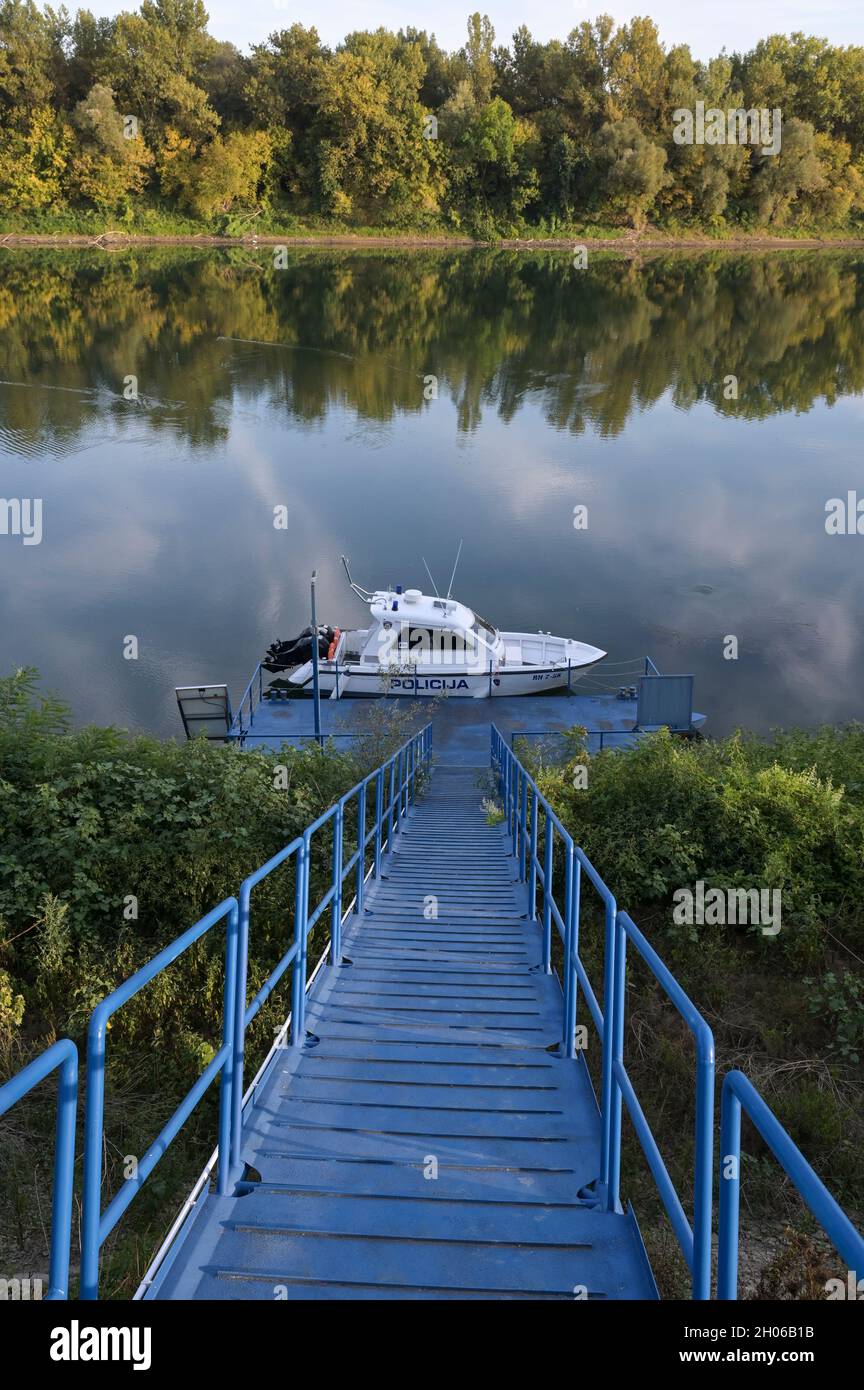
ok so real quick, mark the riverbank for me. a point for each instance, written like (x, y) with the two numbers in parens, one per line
(631, 244)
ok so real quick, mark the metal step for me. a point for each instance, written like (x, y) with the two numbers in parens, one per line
(428, 1141)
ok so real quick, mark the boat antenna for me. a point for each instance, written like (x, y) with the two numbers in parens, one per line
(455, 567)
(431, 580)
(361, 593)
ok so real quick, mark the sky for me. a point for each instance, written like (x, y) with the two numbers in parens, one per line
(707, 27)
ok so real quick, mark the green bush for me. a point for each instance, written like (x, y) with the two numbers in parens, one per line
(737, 813)
(839, 999)
(113, 845)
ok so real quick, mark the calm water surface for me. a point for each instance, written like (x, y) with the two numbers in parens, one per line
(306, 388)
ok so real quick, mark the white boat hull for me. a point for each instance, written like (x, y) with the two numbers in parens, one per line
(355, 682)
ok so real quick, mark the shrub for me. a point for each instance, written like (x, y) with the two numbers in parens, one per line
(737, 814)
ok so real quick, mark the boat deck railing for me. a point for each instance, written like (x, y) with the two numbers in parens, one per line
(244, 717)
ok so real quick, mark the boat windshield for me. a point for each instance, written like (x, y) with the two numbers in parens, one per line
(482, 628)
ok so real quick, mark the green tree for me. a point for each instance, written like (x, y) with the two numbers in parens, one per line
(841, 190)
(281, 94)
(113, 160)
(152, 62)
(631, 168)
(31, 55)
(88, 42)
(34, 154)
(225, 176)
(636, 83)
(779, 179)
(491, 162)
(478, 53)
(702, 178)
(373, 156)
(224, 73)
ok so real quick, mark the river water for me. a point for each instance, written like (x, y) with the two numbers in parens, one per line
(162, 408)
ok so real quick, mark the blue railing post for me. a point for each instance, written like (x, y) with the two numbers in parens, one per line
(619, 957)
(360, 888)
(739, 1092)
(532, 872)
(336, 912)
(703, 1176)
(92, 1196)
(573, 877)
(64, 1169)
(96, 1224)
(239, 1038)
(523, 826)
(730, 1194)
(228, 1081)
(392, 806)
(610, 1097)
(301, 915)
(379, 814)
(547, 894)
(62, 1056)
(695, 1242)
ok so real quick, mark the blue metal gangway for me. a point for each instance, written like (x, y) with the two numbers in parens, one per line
(425, 1125)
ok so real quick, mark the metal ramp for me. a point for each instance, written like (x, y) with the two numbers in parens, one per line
(429, 1139)
(431, 1131)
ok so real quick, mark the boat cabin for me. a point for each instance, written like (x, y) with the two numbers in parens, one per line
(411, 627)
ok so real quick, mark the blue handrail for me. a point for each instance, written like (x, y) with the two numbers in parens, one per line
(97, 1225)
(243, 1013)
(739, 1093)
(237, 1015)
(524, 805)
(62, 1055)
(256, 684)
(696, 1243)
(413, 755)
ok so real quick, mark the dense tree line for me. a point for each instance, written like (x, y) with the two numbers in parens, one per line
(148, 109)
